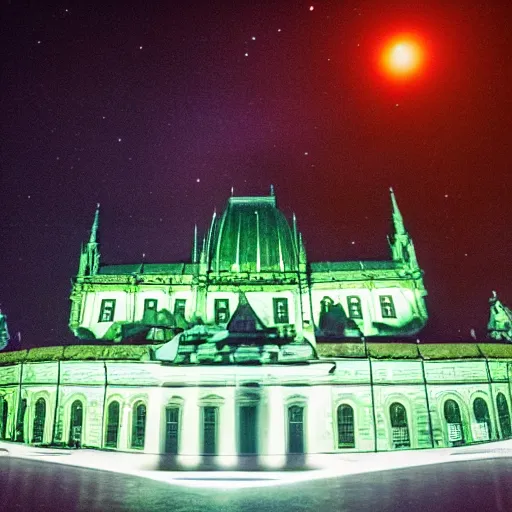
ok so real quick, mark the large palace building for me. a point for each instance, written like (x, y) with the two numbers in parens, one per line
(250, 355)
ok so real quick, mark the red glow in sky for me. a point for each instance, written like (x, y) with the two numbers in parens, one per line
(402, 57)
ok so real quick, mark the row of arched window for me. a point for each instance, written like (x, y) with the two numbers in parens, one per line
(76, 423)
(248, 425)
(452, 415)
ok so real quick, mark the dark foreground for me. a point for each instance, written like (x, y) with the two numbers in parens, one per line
(483, 485)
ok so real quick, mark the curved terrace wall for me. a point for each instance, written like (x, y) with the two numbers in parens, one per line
(355, 398)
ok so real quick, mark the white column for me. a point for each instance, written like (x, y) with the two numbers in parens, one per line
(227, 430)
(276, 425)
(154, 424)
(189, 429)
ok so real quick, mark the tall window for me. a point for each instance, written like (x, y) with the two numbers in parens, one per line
(150, 310)
(296, 429)
(346, 437)
(399, 427)
(483, 418)
(172, 423)
(454, 422)
(281, 310)
(248, 430)
(504, 416)
(179, 307)
(107, 310)
(221, 311)
(354, 307)
(20, 427)
(210, 420)
(76, 423)
(39, 419)
(4, 410)
(112, 425)
(387, 307)
(138, 426)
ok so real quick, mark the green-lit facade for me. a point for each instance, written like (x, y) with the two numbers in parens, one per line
(250, 356)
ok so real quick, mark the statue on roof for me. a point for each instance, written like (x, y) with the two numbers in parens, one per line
(4, 333)
(499, 327)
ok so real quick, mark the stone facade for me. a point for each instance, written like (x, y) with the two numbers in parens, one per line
(249, 356)
(252, 249)
(230, 414)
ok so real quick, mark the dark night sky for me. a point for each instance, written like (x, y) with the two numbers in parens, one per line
(154, 110)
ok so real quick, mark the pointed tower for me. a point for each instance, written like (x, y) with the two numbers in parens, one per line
(402, 248)
(90, 254)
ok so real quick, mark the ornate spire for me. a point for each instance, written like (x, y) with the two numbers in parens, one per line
(93, 239)
(398, 221)
(90, 255)
(272, 193)
(194, 246)
(402, 248)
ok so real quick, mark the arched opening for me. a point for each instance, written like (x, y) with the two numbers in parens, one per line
(39, 420)
(345, 415)
(295, 429)
(76, 424)
(453, 423)
(503, 416)
(112, 425)
(172, 429)
(483, 419)
(399, 427)
(138, 425)
(4, 413)
(20, 426)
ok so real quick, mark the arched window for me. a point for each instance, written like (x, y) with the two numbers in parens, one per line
(172, 429)
(454, 422)
(20, 427)
(482, 418)
(39, 419)
(504, 416)
(399, 427)
(112, 425)
(76, 423)
(345, 426)
(138, 425)
(295, 429)
(4, 411)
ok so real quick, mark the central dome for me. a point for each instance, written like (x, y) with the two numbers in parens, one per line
(253, 236)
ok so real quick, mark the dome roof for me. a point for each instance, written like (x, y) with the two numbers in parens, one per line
(252, 236)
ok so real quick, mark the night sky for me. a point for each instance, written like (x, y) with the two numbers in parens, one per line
(157, 109)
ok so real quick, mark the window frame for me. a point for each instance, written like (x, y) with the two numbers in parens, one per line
(351, 301)
(503, 412)
(386, 301)
(215, 437)
(109, 426)
(284, 316)
(345, 444)
(168, 444)
(138, 426)
(107, 310)
(402, 424)
(180, 307)
(220, 308)
(39, 423)
(289, 422)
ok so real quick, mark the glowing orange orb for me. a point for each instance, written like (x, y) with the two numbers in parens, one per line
(402, 57)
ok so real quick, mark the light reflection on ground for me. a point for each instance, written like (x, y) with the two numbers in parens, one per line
(475, 485)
